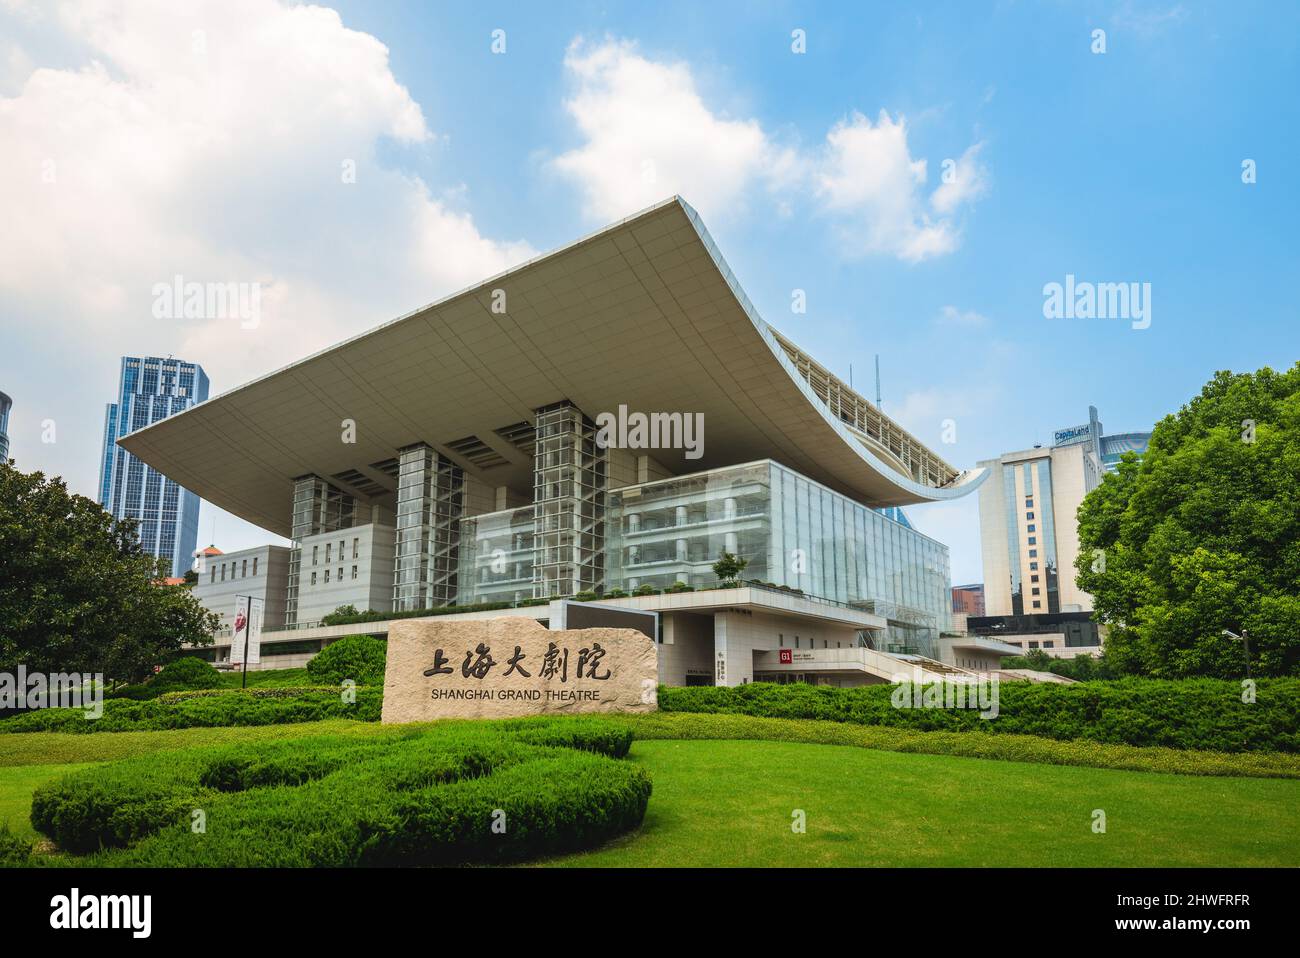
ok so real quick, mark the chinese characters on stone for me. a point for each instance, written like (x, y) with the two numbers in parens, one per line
(555, 663)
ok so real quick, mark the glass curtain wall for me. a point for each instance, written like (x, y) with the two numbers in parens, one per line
(496, 561)
(793, 532)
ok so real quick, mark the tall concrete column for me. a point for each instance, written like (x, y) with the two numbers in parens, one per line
(733, 653)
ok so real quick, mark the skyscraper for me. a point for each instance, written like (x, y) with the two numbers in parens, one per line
(5, 405)
(151, 389)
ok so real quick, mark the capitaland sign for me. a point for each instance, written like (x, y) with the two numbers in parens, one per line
(1065, 437)
(513, 666)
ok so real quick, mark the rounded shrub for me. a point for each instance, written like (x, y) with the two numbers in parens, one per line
(410, 797)
(187, 672)
(360, 658)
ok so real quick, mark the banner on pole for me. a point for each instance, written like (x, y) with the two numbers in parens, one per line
(248, 631)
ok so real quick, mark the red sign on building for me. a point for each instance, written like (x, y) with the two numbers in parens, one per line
(787, 656)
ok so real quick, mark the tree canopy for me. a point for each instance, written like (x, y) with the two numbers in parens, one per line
(78, 593)
(1202, 534)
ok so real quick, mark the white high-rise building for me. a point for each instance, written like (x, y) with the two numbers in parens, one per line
(1028, 527)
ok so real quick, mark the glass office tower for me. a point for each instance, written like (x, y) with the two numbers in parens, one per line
(5, 405)
(150, 389)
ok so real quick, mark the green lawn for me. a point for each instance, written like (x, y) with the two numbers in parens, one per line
(729, 802)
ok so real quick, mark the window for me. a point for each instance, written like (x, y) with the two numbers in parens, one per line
(1037, 604)
(223, 572)
(1033, 528)
(341, 544)
(340, 573)
(212, 577)
(1033, 540)
(327, 576)
(1033, 645)
(1033, 553)
(1034, 591)
(1033, 565)
(355, 542)
(243, 569)
(1029, 502)
(314, 550)
(254, 565)
(1029, 515)
(328, 546)
(313, 578)
(1033, 578)
(354, 572)
(1049, 644)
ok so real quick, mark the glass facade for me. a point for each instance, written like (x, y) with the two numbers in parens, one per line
(569, 478)
(430, 501)
(5, 405)
(1114, 447)
(150, 389)
(793, 532)
(496, 557)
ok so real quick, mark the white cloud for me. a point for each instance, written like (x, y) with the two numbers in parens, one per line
(962, 318)
(868, 176)
(968, 181)
(648, 134)
(209, 141)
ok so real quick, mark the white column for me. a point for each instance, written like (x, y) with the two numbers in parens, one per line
(733, 655)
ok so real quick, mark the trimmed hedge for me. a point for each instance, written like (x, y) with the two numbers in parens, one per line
(414, 797)
(360, 658)
(1203, 714)
(207, 707)
(1004, 747)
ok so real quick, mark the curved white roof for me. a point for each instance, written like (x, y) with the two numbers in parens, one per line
(644, 313)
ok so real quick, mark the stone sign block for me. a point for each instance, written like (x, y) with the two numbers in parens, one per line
(512, 666)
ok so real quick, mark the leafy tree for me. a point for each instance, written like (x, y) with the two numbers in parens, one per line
(191, 577)
(78, 593)
(340, 616)
(1203, 534)
(728, 568)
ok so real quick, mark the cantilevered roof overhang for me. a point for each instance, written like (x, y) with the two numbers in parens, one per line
(644, 313)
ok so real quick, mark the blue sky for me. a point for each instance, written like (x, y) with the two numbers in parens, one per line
(1116, 167)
